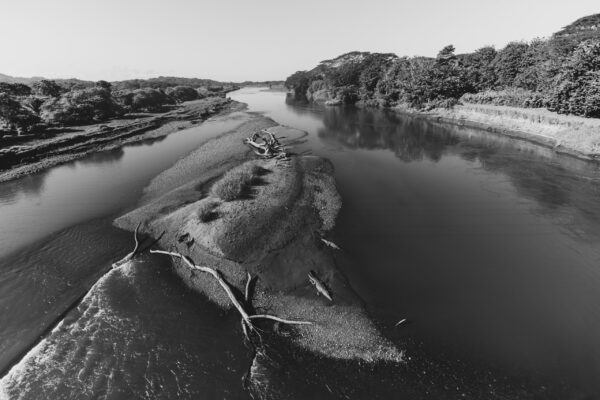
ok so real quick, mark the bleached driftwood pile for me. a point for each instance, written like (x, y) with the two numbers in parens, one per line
(265, 145)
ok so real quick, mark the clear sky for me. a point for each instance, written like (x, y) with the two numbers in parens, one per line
(236, 40)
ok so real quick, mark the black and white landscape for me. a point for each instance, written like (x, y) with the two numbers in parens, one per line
(308, 200)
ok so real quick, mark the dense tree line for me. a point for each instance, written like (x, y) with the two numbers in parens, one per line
(47, 103)
(561, 73)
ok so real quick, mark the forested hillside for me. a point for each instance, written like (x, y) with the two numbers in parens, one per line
(560, 73)
(41, 103)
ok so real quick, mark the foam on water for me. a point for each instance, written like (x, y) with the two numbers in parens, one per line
(136, 334)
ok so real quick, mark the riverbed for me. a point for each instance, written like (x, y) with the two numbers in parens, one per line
(487, 246)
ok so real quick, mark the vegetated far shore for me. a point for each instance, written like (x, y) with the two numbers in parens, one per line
(545, 91)
(43, 152)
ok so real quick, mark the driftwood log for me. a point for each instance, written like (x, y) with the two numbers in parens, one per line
(247, 324)
(320, 286)
(133, 253)
(265, 145)
(330, 244)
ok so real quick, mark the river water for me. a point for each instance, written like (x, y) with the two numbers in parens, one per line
(488, 246)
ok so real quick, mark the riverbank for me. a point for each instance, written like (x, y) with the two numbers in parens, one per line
(42, 153)
(566, 134)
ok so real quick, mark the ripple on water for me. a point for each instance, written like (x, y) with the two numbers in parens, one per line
(137, 334)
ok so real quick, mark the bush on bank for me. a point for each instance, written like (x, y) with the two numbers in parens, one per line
(25, 109)
(561, 73)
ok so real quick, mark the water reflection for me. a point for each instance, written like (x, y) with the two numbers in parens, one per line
(488, 244)
(31, 185)
(538, 173)
(411, 139)
(104, 157)
(92, 187)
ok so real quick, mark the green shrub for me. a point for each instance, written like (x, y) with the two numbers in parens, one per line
(233, 185)
(47, 88)
(15, 89)
(80, 107)
(146, 99)
(441, 103)
(299, 83)
(345, 75)
(479, 69)
(236, 183)
(347, 94)
(14, 116)
(182, 93)
(206, 210)
(512, 97)
(577, 87)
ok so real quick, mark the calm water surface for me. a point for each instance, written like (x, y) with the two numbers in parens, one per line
(488, 246)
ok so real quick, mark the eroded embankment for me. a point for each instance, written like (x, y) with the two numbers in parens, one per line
(565, 134)
(273, 231)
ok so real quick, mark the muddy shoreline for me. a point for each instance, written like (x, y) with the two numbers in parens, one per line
(39, 154)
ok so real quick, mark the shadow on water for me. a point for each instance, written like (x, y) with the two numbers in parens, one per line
(31, 185)
(410, 139)
(104, 157)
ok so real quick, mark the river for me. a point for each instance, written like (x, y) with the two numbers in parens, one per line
(488, 246)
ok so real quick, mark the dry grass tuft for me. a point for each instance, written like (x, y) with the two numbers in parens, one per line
(236, 183)
(206, 210)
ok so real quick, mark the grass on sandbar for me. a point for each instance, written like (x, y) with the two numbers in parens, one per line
(235, 184)
(206, 211)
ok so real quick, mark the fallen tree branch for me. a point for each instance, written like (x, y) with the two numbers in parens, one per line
(217, 275)
(133, 253)
(320, 286)
(247, 292)
(284, 321)
(246, 319)
(247, 298)
(330, 244)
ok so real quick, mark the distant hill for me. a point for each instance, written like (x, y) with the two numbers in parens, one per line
(161, 82)
(12, 79)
